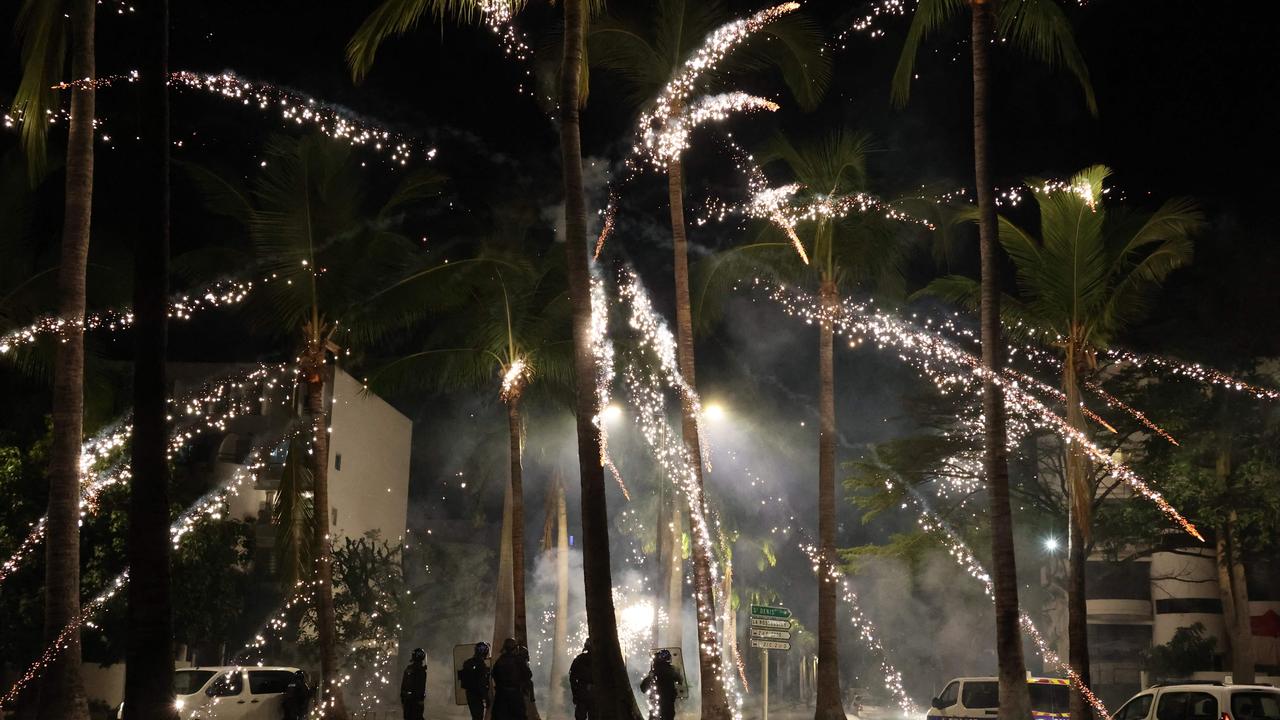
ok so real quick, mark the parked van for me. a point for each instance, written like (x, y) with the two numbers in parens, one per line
(230, 692)
(979, 697)
(1203, 701)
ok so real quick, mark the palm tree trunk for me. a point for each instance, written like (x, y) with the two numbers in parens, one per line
(517, 522)
(1231, 582)
(61, 695)
(322, 548)
(829, 706)
(673, 580)
(613, 697)
(560, 640)
(504, 614)
(1078, 618)
(1015, 701)
(1080, 486)
(715, 704)
(670, 573)
(149, 654)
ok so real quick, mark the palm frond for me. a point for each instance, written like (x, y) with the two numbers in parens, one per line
(716, 277)
(41, 31)
(929, 16)
(1040, 29)
(415, 188)
(965, 292)
(397, 17)
(793, 44)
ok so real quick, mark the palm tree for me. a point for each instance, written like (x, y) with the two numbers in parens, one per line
(149, 669)
(1039, 28)
(45, 38)
(646, 52)
(613, 697)
(311, 227)
(847, 253)
(514, 339)
(1086, 278)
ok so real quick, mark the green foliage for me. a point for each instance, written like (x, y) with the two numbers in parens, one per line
(518, 311)
(1186, 652)
(397, 17)
(211, 582)
(1091, 272)
(42, 31)
(293, 514)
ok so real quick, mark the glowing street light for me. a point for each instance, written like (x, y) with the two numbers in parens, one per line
(1051, 544)
(612, 412)
(713, 412)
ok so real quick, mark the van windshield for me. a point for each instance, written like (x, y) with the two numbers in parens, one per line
(186, 682)
(1049, 698)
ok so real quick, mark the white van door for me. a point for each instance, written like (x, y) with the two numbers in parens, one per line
(266, 694)
(228, 697)
(947, 702)
(979, 698)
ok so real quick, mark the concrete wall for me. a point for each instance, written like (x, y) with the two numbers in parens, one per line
(1184, 576)
(369, 452)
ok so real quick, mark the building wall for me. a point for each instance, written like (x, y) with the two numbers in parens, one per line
(369, 449)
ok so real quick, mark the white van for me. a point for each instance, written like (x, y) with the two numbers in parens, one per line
(230, 692)
(979, 697)
(1203, 701)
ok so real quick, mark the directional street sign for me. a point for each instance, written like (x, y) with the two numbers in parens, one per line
(770, 644)
(759, 622)
(770, 634)
(773, 612)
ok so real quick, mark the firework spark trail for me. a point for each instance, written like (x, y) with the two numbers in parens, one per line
(603, 354)
(892, 677)
(1197, 372)
(663, 131)
(198, 418)
(665, 143)
(87, 612)
(1135, 413)
(208, 505)
(936, 526)
(926, 350)
(647, 392)
(784, 207)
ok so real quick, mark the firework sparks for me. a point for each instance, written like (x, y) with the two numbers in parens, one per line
(948, 367)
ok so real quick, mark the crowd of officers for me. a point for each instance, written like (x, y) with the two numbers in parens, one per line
(506, 689)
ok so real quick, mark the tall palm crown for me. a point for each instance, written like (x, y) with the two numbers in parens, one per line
(858, 250)
(1037, 28)
(518, 314)
(1089, 275)
(646, 49)
(314, 229)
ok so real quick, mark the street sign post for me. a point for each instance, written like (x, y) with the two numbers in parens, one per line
(770, 630)
(769, 611)
(767, 645)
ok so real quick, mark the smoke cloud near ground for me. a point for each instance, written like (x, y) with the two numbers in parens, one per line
(761, 375)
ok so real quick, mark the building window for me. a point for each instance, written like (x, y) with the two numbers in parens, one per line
(1118, 643)
(337, 461)
(1184, 606)
(1106, 580)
